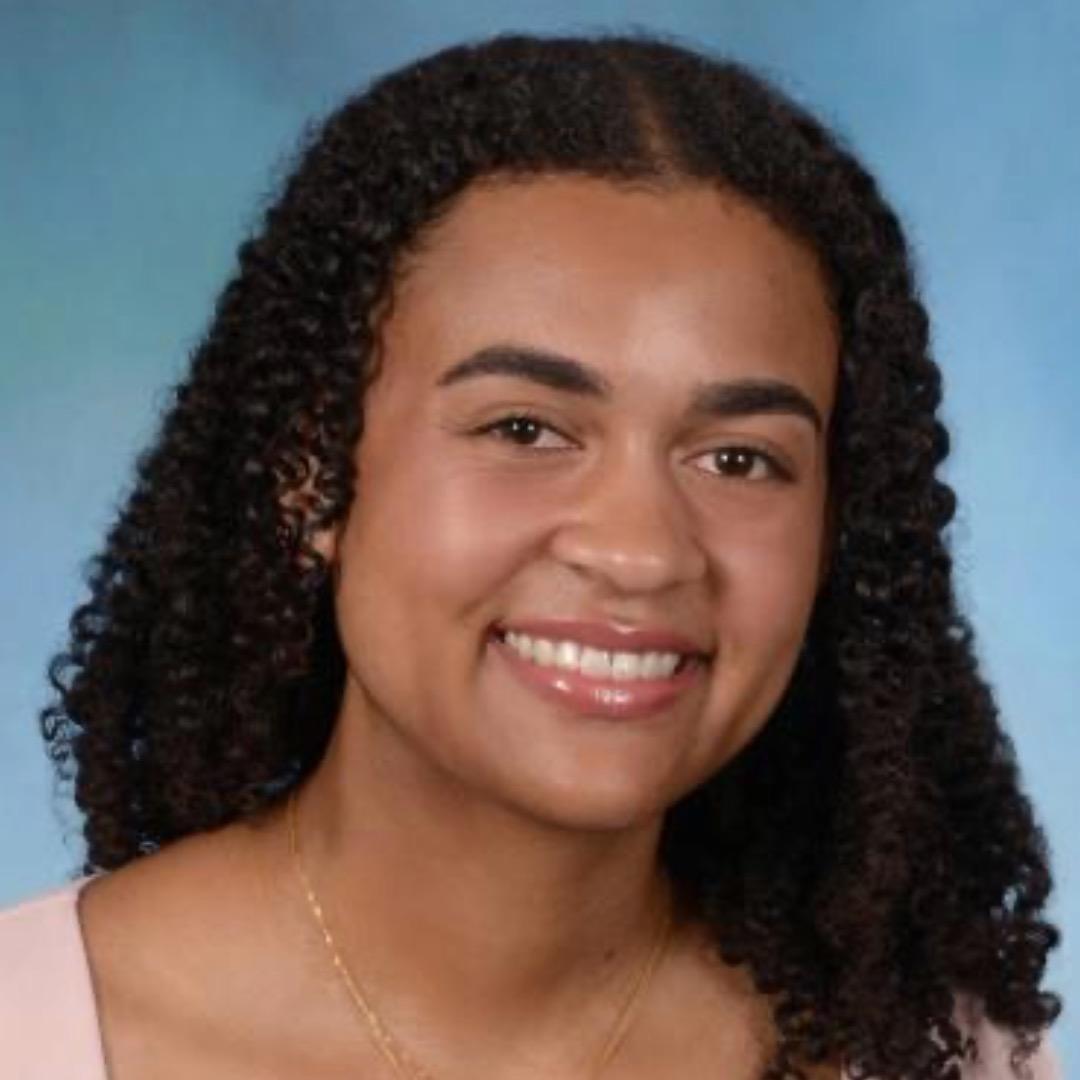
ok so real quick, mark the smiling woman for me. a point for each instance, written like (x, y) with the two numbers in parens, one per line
(530, 648)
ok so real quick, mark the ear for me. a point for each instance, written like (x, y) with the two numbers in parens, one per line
(325, 542)
(300, 498)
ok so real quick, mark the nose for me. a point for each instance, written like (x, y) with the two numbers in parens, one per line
(629, 528)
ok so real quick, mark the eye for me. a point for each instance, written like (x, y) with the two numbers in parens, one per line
(744, 463)
(529, 432)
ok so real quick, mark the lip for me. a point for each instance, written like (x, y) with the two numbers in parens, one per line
(606, 635)
(629, 699)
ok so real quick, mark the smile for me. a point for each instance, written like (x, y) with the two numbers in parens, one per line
(594, 682)
(599, 663)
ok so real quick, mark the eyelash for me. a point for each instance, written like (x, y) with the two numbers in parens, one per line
(500, 427)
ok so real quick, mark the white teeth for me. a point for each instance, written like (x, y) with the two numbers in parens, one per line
(626, 665)
(596, 663)
(543, 652)
(661, 664)
(568, 655)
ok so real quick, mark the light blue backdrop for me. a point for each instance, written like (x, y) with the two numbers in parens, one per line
(138, 138)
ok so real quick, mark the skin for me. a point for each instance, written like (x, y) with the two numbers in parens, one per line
(487, 859)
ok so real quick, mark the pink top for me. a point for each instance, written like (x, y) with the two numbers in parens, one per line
(48, 1017)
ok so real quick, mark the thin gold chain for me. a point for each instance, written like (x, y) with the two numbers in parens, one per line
(392, 1050)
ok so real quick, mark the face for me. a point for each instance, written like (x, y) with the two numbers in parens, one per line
(597, 437)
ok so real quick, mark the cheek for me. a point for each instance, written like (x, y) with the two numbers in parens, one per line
(767, 582)
(438, 539)
(773, 577)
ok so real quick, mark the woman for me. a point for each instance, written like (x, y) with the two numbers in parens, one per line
(529, 648)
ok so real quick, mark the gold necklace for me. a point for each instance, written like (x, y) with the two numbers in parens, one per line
(392, 1050)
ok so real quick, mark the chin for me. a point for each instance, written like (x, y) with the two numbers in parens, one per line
(592, 807)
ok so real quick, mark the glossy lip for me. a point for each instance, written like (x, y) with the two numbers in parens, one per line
(606, 635)
(629, 699)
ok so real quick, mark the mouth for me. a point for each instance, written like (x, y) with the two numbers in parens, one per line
(616, 665)
(599, 682)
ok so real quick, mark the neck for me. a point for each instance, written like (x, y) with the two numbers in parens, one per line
(465, 914)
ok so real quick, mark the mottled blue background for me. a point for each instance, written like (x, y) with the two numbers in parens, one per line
(138, 140)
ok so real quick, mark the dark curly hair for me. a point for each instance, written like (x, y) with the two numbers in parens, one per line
(871, 856)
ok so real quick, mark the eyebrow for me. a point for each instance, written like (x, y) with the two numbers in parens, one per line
(736, 397)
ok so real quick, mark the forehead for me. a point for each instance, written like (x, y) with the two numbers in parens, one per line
(690, 276)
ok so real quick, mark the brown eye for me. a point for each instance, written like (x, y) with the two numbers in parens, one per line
(525, 431)
(744, 463)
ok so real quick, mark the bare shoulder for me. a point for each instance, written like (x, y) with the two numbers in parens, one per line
(180, 946)
(152, 919)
